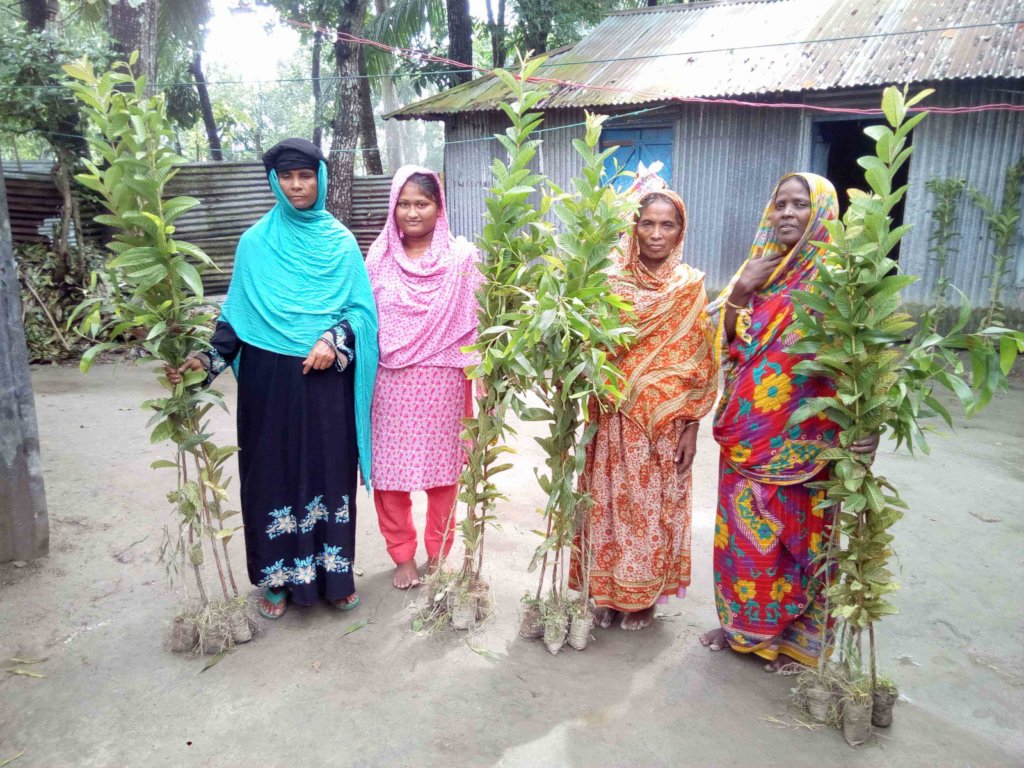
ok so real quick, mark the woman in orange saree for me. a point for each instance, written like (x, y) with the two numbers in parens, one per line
(638, 464)
(770, 529)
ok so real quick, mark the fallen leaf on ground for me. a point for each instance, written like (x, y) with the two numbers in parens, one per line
(215, 660)
(356, 626)
(10, 760)
(26, 672)
(487, 653)
(28, 661)
(417, 624)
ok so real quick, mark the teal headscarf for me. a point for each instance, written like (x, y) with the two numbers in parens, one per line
(297, 274)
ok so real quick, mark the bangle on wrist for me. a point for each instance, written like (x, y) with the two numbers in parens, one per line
(737, 307)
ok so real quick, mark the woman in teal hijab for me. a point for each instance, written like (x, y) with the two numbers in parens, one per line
(299, 328)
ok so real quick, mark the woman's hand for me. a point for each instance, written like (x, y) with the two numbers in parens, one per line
(753, 277)
(687, 449)
(320, 357)
(174, 375)
(866, 445)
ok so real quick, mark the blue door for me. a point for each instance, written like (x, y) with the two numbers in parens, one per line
(636, 145)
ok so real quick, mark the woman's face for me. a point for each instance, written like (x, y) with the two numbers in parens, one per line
(415, 213)
(299, 186)
(658, 230)
(791, 213)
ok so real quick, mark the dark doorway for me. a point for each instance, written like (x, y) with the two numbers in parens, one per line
(837, 145)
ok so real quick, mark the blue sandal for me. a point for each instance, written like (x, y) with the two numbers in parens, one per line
(346, 603)
(275, 599)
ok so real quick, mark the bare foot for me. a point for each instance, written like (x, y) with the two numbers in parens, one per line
(714, 640)
(605, 617)
(405, 575)
(637, 620)
(785, 666)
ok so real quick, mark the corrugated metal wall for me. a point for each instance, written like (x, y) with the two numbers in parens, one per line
(724, 169)
(979, 147)
(729, 158)
(35, 205)
(467, 169)
(236, 195)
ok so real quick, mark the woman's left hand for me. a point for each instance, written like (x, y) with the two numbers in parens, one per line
(866, 445)
(320, 357)
(687, 449)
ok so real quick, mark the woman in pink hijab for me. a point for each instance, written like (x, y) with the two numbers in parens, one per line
(424, 282)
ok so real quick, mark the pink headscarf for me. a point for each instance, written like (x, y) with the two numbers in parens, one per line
(427, 307)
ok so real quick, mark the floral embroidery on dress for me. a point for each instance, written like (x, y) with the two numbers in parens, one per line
(275, 575)
(337, 337)
(284, 522)
(304, 572)
(332, 561)
(341, 514)
(315, 511)
(217, 362)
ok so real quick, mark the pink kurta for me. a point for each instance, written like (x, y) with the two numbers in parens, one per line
(416, 420)
(427, 311)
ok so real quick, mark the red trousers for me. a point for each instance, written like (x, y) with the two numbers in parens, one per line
(394, 515)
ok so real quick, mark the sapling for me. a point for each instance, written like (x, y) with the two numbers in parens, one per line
(156, 305)
(1004, 228)
(855, 335)
(565, 333)
(946, 194)
(511, 239)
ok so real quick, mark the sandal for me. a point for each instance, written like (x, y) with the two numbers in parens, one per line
(279, 601)
(346, 603)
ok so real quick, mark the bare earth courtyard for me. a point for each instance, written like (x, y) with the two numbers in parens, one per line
(305, 694)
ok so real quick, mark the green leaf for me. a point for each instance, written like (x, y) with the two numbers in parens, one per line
(356, 626)
(214, 661)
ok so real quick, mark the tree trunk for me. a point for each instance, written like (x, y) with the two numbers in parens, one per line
(345, 126)
(460, 38)
(134, 29)
(496, 26)
(318, 100)
(24, 524)
(37, 12)
(196, 68)
(392, 128)
(536, 17)
(367, 124)
(389, 99)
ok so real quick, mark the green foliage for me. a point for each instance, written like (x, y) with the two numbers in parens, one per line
(1004, 229)
(854, 334)
(31, 97)
(509, 242)
(548, 323)
(49, 296)
(946, 193)
(157, 299)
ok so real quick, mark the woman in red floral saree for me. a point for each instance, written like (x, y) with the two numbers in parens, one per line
(769, 529)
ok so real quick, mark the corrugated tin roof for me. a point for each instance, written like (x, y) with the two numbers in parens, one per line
(727, 49)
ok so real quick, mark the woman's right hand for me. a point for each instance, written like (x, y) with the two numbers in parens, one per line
(754, 275)
(174, 375)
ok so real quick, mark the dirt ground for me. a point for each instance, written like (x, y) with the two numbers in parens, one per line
(305, 694)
